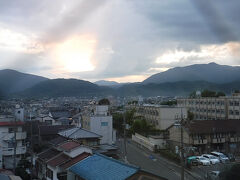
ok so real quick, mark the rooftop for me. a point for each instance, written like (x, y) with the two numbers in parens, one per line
(102, 167)
(214, 126)
(70, 145)
(58, 140)
(12, 123)
(75, 160)
(58, 160)
(52, 130)
(48, 154)
(78, 133)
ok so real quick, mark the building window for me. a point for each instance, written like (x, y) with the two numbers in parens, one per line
(11, 130)
(236, 112)
(49, 122)
(49, 173)
(104, 123)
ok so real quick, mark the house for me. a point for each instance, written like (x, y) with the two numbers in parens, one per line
(53, 163)
(83, 136)
(7, 129)
(59, 113)
(101, 167)
(208, 135)
(99, 121)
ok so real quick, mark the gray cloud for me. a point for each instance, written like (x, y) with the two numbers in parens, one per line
(136, 31)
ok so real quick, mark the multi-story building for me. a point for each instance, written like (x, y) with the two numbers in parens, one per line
(99, 121)
(207, 135)
(159, 115)
(7, 145)
(212, 108)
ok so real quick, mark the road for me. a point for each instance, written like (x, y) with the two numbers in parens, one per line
(150, 162)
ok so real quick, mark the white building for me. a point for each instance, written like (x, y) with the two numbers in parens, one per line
(7, 129)
(19, 113)
(160, 116)
(100, 122)
(213, 108)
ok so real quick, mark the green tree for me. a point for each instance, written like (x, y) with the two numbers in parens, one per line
(104, 101)
(190, 116)
(169, 103)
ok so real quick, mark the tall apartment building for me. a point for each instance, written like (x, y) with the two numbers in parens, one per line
(160, 116)
(7, 129)
(100, 122)
(212, 108)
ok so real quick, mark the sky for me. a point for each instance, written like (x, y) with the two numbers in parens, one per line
(119, 40)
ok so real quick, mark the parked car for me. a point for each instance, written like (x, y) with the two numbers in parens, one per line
(192, 161)
(203, 161)
(231, 157)
(211, 158)
(222, 158)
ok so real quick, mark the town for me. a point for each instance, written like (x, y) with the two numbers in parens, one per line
(127, 138)
(119, 90)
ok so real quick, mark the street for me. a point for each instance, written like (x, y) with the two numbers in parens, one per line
(150, 162)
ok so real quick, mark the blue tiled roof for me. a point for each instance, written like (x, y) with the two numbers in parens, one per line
(100, 167)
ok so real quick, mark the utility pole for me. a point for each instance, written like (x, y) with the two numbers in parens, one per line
(15, 146)
(31, 145)
(124, 133)
(182, 148)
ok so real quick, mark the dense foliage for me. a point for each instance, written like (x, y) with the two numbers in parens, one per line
(104, 102)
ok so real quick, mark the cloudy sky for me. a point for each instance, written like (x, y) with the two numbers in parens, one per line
(121, 40)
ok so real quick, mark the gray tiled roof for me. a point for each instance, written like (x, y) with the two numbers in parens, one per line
(78, 133)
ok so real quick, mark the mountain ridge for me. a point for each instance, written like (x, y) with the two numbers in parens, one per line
(210, 72)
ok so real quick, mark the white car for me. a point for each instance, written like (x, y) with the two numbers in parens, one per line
(211, 158)
(203, 161)
(222, 158)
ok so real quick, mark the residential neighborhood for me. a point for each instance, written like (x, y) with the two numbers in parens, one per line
(119, 90)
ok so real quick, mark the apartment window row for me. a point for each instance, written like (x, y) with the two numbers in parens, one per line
(218, 111)
(233, 103)
(231, 112)
(148, 111)
(197, 102)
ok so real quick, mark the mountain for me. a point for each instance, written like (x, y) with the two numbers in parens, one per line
(12, 81)
(180, 88)
(65, 87)
(211, 72)
(106, 83)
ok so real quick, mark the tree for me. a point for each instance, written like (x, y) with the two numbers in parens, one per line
(21, 169)
(104, 101)
(169, 103)
(208, 93)
(220, 94)
(190, 116)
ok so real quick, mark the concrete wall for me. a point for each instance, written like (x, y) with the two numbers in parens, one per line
(169, 115)
(102, 125)
(143, 141)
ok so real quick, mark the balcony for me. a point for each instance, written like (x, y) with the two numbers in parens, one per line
(218, 140)
(234, 139)
(199, 141)
(10, 151)
(19, 136)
